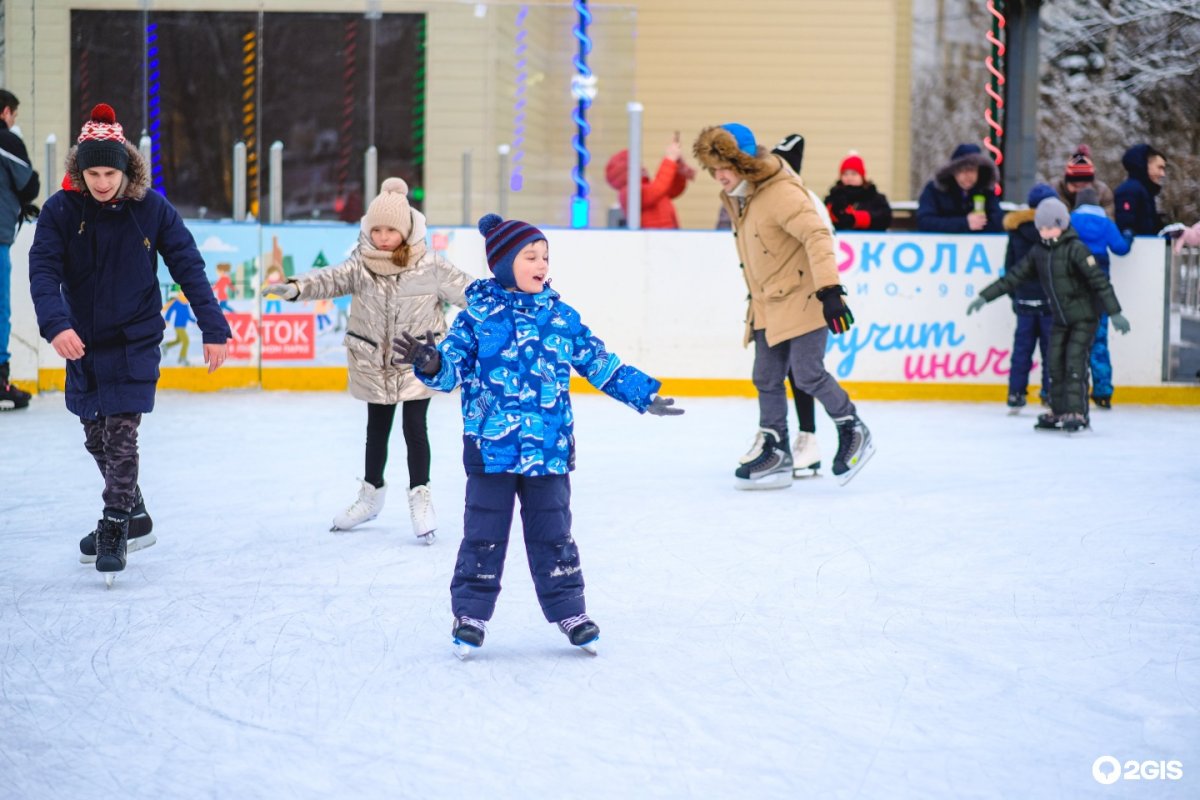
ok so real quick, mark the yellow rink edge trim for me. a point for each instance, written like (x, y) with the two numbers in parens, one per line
(332, 379)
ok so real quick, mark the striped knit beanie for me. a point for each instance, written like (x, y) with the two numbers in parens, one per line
(503, 239)
(1079, 167)
(102, 141)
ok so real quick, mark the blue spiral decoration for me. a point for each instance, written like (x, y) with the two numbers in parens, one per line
(154, 107)
(583, 82)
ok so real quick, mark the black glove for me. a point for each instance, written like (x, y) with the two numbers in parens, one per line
(422, 355)
(844, 220)
(837, 315)
(662, 407)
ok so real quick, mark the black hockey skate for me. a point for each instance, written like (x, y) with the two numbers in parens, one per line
(1074, 423)
(11, 398)
(855, 448)
(111, 536)
(1015, 403)
(1048, 422)
(582, 632)
(141, 534)
(468, 634)
(767, 465)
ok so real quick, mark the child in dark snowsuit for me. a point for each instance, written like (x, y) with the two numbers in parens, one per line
(512, 350)
(1073, 285)
(1100, 234)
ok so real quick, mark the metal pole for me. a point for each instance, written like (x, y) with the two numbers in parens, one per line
(144, 147)
(502, 181)
(370, 176)
(633, 186)
(276, 183)
(51, 164)
(466, 189)
(239, 181)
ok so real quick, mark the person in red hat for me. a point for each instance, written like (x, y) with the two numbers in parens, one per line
(1080, 173)
(669, 182)
(93, 274)
(854, 203)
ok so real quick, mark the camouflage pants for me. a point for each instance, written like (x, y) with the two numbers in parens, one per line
(112, 441)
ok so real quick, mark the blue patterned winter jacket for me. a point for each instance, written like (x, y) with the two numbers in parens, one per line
(513, 354)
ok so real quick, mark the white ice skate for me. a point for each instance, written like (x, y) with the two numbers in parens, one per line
(364, 509)
(806, 456)
(420, 508)
(767, 465)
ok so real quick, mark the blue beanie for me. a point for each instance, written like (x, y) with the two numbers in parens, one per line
(1039, 192)
(503, 239)
(966, 149)
(744, 138)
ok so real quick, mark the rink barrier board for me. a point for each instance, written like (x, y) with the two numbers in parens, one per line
(334, 379)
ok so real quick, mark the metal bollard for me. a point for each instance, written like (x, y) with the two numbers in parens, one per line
(145, 147)
(276, 184)
(633, 203)
(370, 176)
(239, 181)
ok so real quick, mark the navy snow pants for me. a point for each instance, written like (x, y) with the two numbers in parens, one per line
(553, 556)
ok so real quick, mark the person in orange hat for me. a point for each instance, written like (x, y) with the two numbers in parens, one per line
(669, 182)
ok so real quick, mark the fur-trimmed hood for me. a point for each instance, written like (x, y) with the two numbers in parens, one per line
(944, 179)
(715, 148)
(1014, 219)
(137, 174)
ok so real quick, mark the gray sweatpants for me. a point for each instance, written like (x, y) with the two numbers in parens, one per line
(805, 355)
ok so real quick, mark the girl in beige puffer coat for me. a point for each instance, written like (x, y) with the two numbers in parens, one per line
(398, 286)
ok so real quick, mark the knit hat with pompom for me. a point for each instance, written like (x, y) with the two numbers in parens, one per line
(390, 208)
(503, 239)
(102, 141)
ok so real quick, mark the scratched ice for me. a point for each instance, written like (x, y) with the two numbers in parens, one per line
(983, 612)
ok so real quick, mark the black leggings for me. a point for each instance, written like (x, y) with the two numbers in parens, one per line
(806, 410)
(416, 436)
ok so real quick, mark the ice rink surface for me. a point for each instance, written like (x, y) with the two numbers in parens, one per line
(983, 612)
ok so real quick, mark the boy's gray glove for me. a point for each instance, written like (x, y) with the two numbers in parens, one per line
(975, 305)
(422, 355)
(286, 290)
(662, 407)
(1120, 323)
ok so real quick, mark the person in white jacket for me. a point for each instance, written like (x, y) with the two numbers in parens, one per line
(397, 286)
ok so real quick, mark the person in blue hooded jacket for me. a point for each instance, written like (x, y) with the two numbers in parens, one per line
(1100, 234)
(1136, 198)
(961, 198)
(513, 350)
(93, 276)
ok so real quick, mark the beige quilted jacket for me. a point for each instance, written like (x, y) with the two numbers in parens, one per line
(384, 305)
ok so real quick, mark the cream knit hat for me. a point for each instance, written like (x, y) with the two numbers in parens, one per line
(390, 208)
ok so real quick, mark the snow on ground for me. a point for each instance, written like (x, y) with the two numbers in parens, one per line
(983, 612)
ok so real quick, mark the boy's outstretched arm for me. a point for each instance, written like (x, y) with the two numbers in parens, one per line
(663, 406)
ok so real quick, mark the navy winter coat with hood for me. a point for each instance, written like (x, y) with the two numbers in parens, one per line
(943, 206)
(1135, 198)
(93, 267)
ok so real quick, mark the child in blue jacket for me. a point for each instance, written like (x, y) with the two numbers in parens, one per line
(1100, 234)
(512, 350)
(93, 277)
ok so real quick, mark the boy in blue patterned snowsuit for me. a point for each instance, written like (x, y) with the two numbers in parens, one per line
(512, 350)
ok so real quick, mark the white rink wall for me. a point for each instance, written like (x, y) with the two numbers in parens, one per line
(673, 302)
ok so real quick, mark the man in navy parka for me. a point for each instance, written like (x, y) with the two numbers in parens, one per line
(93, 276)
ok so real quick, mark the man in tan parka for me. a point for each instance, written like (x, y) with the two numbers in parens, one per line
(788, 263)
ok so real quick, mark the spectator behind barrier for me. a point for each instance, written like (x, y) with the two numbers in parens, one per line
(961, 198)
(853, 202)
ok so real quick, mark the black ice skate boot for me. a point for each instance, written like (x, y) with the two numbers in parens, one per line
(1073, 423)
(140, 533)
(581, 631)
(111, 536)
(11, 398)
(1048, 422)
(468, 634)
(767, 465)
(855, 448)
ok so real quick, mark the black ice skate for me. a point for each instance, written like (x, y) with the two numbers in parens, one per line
(1074, 423)
(11, 398)
(111, 536)
(767, 465)
(468, 634)
(855, 448)
(582, 632)
(140, 534)
(1048, 422)
(1015, 403)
